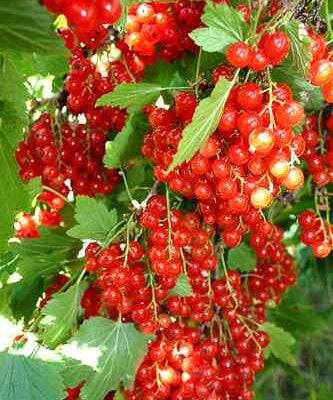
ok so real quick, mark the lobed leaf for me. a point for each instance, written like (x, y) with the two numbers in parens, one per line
(281, 343)
(94, 219)
(113, 349)
(225, 26)
(28, 378)
(242, 258)
(183, 287)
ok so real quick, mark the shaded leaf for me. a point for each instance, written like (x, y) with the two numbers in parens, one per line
(74, 372)
(183, 287)
(94, 219)
(50, 240)
(60, 315)
(242, 258)
(126, 144)
(299, 318)
(303, 91)
(300, 52)
(26, 26)
(281, 343)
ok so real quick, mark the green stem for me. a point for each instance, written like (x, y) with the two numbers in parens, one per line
(197, 73)
(328, 20)
(109, 239)
(126, 185)
(128, 238)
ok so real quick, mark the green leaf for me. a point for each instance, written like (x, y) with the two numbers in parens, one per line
(39, 260)
(308, 94)
(74, 372)
(327, 14)
(242, 258)
(126, 144)
(131, 95)
(165, 74)
(94, 219)
(225, 26)
(300, 52)
(28, 378)
(34, 269)
(50, 240)
(61, 315)
(183, 287)
(14, 195)
(12, 88)
(299, 318)
(113, 349)
(8, 263)
(24, 296)
(26, 26)
(281, 343)
(210, 39)
(205, 121)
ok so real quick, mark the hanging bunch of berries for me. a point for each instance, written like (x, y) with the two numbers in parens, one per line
(187, 139)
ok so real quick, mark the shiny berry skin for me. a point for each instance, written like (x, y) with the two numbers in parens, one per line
(321, 72)
(82, 14)
(226, 188)
(328, 91)
(258, 60)
(322, 250)
(275, 46)
(231, 237)
(261, 140)
(261, 198)
(250, 96)
(294, 180)
(279, 168)
(238, 54)
(289, 114)
(307, 219)
(109, 11)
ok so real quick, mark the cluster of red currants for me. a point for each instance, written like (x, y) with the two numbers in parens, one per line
(84, 85)
(48, 214)
(88, 18)
(164, 27)
(318, 154)
(137, 282)
(243, 165)
(66, 157)
(316, 233)
(272, 49)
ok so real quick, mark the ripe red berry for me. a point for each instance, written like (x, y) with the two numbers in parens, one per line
(289, 114)
(238, 54)
(82, 14)
(109, 11)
